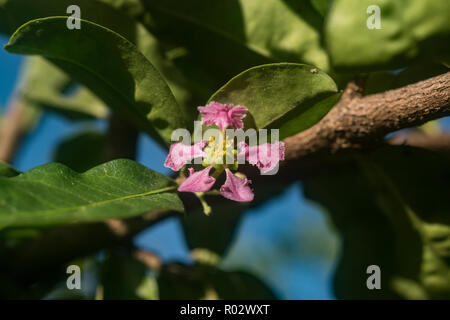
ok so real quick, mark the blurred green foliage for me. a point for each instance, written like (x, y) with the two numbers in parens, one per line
(153, 62)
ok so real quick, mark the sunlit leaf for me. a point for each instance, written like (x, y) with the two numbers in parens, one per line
(54, 194)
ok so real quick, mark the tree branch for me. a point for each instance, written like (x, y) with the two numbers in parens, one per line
(357, 122)
(439, 142)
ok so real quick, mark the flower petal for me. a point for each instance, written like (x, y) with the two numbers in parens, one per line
(236, 189)
(180, 154)
(265, 156)
(235, 116)
(223, 115)
(199, 181)
(242, 154)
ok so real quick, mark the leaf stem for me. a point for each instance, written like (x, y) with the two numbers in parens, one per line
(206, 208)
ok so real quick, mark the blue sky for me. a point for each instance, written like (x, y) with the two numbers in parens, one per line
(264, 232)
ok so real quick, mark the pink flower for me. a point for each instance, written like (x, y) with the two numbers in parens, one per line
(199, 181)
(180, 154)
(223, 115)
(265, 156)
(236, 189)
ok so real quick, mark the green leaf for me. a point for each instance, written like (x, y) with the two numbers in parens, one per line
(123, 78)
(54, 194)
(159, 55)
(391, 218)
(410, 30)
(7, 171)
(321, 6)
(287, 96)
(83, 151)
(43, 85)
(14, 13)
(223, 39)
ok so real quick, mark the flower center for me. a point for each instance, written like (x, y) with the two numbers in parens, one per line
(219, 153)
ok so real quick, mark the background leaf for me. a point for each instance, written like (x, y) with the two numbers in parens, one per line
(222, 39)
(410, 30)
(43, 85)
(14, 13)
(124, 79)
(391, 218)
(53, 193)
(83, 151)
(287, 96)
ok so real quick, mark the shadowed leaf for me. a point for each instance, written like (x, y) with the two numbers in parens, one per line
(7, 171)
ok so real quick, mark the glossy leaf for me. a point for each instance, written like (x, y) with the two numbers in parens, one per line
(124, 78)
(54, 194)
(287, 96)
(409, 30)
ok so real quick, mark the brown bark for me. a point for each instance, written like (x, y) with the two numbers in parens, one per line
(356, 121)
